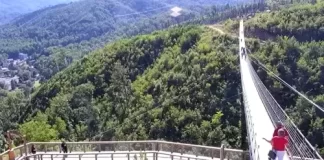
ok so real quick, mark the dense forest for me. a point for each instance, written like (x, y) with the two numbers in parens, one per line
(56, 36)
(180, 85)
(304, 22)
(37, 33)
(54, 40)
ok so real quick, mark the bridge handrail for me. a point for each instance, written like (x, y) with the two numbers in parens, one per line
(18, 149)
(155, 154)
(251, 133)
(153, 145)
(129, 142)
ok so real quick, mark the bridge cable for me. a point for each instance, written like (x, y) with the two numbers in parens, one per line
(275, 116)
(296, 137)
(285, 83)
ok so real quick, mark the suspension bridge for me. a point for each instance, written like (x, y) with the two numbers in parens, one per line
(261, 111)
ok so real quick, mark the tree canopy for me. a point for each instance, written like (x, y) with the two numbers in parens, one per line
(181, 85)
(38, 130)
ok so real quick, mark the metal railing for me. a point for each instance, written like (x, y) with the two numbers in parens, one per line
(19, 151)
(102, 147)
(250, 125)
(113, 155)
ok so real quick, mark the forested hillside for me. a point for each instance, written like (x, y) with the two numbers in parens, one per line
(55, 36)
(71, 23)
(180, 85)
(295, 53)
(79, 21)
(12, 9)
(304, 22)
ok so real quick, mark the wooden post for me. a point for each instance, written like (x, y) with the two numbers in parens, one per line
(144, 146)
(222, 152)
(11, 153)
(21, 152)
(182, 149)
(212, 154)
(25, 145)
(157, 147)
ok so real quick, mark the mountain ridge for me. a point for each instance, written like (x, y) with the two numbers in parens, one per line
(10, 10)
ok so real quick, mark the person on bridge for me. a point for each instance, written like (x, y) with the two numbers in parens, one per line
(33, 149)
(243, 52)
(279, 144)
(280, 126)
(64, 147)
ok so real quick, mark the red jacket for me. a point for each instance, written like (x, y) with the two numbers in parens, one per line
(279, 143)
(275, 133)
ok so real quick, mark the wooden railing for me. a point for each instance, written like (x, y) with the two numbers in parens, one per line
(105, 147)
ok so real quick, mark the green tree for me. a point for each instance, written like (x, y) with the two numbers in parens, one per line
(38, 130)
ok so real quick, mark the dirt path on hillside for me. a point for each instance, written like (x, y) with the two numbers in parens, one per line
(233, 35)
(216, 28)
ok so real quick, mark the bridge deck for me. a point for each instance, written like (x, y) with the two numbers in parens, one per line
(261, 122)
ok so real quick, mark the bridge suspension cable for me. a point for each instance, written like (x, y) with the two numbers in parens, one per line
(299, 146)
(270, 73)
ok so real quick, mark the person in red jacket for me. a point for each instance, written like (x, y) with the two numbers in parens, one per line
(279, 144)
(280, 126)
